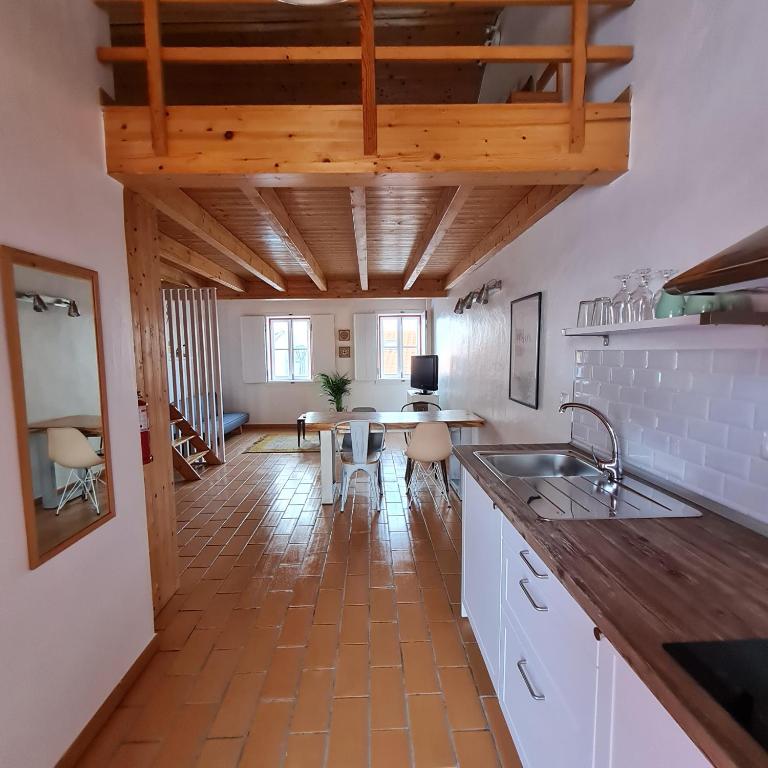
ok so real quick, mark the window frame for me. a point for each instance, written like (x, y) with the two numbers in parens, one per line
(291, 379)
(399, 316)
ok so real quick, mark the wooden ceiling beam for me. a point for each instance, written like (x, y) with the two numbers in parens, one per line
(368, 77)
(534, 206)
(177, 277)
(542, 54)
(518, 143)
(185, 211)
(579, 30)
(447, 209)
(360, 224)
(175, 253)
(341, 288)
(270, 206)
(155, 86)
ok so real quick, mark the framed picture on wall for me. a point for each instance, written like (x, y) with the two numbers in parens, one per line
(345, 334)
(524, 345)
(345, 352)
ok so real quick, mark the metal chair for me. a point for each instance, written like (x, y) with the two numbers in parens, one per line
(420, 406)
(360, 457)
(69, 447)
(428, 453)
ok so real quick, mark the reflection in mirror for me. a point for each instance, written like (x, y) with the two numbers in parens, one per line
(54, 336)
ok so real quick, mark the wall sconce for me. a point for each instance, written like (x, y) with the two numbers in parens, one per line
(41, 303)
(477, 297)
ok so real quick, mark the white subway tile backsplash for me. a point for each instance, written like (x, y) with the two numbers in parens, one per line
(647, 378)
(635, 358)
(727, 462)
(676, 381)
(696, 417)
(662, 359)
(753, 388)
(713, 384)
(708, 432)
(758, 472)
(695, 360)
(740, 413)
(660, 400)
(624, 376)
(735, 361)
(691, 404)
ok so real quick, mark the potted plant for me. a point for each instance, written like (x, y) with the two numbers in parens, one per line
(336, 386)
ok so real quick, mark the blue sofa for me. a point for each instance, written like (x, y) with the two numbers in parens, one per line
(234, 420)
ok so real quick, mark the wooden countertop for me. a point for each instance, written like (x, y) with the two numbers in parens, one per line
(648, 582)
(323, 420)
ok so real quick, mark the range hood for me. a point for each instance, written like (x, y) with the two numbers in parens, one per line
(744, 262)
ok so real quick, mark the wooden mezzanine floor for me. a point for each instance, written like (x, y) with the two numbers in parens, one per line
(305, 638)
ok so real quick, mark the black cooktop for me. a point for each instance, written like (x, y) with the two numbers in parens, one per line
(735, 674)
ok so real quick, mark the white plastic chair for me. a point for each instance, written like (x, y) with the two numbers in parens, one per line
(428, 452)
(361, 456)
(69, 447)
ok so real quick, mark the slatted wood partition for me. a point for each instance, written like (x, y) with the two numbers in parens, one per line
(194, 364)
(144, 274)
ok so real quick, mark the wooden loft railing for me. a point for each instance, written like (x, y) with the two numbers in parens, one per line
(576, 55)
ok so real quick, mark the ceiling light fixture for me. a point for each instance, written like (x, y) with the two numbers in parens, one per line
(73, 311)
(38, 304)
(459, 308)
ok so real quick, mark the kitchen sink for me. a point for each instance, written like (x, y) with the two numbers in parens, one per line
(560, 485)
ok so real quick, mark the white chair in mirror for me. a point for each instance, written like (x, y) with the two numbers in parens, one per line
(69, 448)
(359, 454)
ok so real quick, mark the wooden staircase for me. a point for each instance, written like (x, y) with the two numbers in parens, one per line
(188, 447)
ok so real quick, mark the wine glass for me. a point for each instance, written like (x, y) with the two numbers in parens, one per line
(641, 299)
(620, 302)
(663, 275)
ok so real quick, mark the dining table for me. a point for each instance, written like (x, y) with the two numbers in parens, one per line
(89, 424)
(325, 423)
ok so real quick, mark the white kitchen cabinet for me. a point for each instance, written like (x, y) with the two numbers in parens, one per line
(481, 570)
(633, 728)
(570, 701)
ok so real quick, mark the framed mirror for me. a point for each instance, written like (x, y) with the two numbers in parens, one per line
(53, 324)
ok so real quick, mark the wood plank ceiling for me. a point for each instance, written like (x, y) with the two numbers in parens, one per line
(316, 240)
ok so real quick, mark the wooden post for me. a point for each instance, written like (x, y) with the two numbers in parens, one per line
(579, 25)
(152, 381)
(368, 71)
(155, 85)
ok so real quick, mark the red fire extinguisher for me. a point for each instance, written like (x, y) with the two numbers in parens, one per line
(146, 451)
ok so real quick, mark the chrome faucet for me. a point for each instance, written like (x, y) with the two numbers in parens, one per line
(612, 468)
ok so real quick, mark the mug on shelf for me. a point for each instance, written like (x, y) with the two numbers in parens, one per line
(698, 303)
(669, 305)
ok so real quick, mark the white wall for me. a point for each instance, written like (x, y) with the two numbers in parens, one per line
(72, 627)
(281, 403)
(699, 163)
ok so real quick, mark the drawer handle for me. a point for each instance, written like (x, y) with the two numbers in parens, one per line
(521, 665)
(524, 557)
(538, 607)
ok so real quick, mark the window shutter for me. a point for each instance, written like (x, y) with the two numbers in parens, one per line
(253, 343)
(366, 363)
(323, 344)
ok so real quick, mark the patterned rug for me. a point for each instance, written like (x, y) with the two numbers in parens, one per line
(284, 442)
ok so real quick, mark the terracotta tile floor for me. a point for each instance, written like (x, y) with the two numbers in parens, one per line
(305, 638)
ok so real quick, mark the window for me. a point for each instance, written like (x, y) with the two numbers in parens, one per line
(400, 337)
(289, 348)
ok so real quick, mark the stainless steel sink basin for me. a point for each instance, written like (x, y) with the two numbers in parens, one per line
(559, 485)
(537, 464)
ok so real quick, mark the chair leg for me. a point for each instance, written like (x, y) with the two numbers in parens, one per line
(69, 490)
(408, 472)
(298, 433)
(344, 487)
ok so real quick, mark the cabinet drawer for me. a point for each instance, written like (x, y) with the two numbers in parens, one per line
(549, 730)
(552, 621)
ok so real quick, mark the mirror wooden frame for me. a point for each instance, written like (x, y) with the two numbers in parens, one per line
(10, 257)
